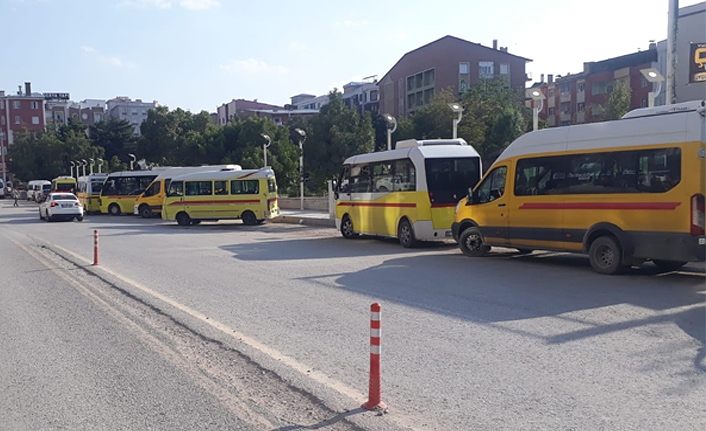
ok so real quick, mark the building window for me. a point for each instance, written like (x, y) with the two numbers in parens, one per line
(580, 107)
(16, 104)
(565, 107)
(464, 68)
(486, 69)
(504, 69)
(18, 120)
(581, 87)
(420, 89)
(35, 104)
(599, 88)
(374, 96)
(35, 120)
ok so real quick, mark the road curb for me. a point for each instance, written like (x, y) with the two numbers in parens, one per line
(292, 219)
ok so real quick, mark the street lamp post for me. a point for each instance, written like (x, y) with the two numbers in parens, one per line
(302, 138)
(266, 146)
(653, 76)
(84, 163)
(78, 168)
(72, 168)
(537, 104)
(91, 162)
(2, 154)
(100, 166)
(391, 123)
(132, 161)
(458, 109)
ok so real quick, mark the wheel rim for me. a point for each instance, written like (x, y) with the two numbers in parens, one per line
(473, 242)
(605, 256)
(146, 213)
(113, 209)
(405, 234)
(347, 227)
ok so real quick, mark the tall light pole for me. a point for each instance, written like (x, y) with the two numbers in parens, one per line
(84, 162)
(2, 154)
(266, 146)
(72, 168)
(391, 123)
(302, 138)
(653, 76)
(78, 168)
(537, 104)
(672, 30)
(91, 162)
(132, 161)
(458, 109)
(100, 166)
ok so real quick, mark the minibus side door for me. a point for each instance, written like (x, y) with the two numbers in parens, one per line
(492, 212)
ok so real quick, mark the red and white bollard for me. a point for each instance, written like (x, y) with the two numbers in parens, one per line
(95, 247)
(375, 387)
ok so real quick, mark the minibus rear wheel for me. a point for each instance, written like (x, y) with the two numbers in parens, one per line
(606, 255)
(114, 209)
(471, 243)
(405, 234)
(668, 265)
(183, 219)
(249, 218)
(347, 227)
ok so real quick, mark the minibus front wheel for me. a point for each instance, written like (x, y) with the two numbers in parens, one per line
(183, 219)
(347, 227)
(471, 243)
(405, 234)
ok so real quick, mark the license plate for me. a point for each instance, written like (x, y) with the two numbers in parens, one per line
(66, 205)
(702, 241)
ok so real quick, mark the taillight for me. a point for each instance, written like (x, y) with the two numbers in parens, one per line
(697, 214)
(53, 204)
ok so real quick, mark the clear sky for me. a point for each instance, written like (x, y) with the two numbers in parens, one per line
(197, 54)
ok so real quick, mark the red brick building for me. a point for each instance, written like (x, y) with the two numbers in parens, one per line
(447, 63)
(23, 111)
(582, 97)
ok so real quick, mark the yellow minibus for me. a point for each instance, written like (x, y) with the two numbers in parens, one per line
(623, 191)
(63, 184)
(248, 194)
(89, 191)
(149, 203)
(122, 188)
(408, 193)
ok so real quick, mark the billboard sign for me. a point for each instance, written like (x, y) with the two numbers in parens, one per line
(697, 63)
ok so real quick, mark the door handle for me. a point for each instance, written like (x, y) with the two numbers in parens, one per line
(501, 205)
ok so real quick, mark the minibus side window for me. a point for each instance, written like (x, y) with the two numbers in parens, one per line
(405, 176)
(361, 176)
(199, 188)
(176, 189)
(493, 187)
(382, 177)
(220, 188)
(244, 187)
(344, 181)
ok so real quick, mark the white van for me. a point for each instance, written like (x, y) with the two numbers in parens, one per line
(37, 188)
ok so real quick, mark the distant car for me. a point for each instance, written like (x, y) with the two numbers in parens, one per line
(61, 206)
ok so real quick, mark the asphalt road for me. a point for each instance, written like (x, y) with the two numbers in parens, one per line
(505, 342)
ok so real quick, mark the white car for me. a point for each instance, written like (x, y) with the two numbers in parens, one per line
(61, 206)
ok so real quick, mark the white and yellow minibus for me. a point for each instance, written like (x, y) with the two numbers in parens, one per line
(623, 191)
(89, 191)
(149, 203)
(63, 184)
(248, 194)
(120, 190)
(409, 192)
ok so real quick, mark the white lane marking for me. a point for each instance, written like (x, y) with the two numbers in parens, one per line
(292, 363)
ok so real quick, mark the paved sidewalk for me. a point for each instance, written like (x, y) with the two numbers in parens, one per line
(306, 217)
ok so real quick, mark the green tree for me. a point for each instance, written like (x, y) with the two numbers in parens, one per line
(115, 136)
(618, 103)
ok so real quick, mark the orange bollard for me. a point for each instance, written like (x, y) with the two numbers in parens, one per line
(375, 386)
(95, 247)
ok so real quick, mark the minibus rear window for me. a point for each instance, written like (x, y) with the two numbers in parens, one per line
(448, 179)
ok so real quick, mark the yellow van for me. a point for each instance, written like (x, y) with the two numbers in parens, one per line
(409, 193)
(149, 203)
(121, 189)
(623, 191)
(89, 191)
(63, 184)
(250, 195)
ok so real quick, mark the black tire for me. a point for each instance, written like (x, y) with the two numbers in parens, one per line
(249, 218)
(183, 219)
(79, 218)
(145, 211)
(606, 255)
(525, 250)
(405, 234)
(347, 227)
(471, 243)
(114, 209)
(668, 265)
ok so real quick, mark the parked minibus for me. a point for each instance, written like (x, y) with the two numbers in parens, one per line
(409, 192)
(63, 184)
(149, 203)
(248, 194)
(120, 190)
(623, 191)
(89, 191)
(37, 188)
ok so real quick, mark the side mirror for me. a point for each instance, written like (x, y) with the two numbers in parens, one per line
(472, 196)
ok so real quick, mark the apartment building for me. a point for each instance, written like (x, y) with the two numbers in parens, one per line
(132, 111)
(19, 112)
